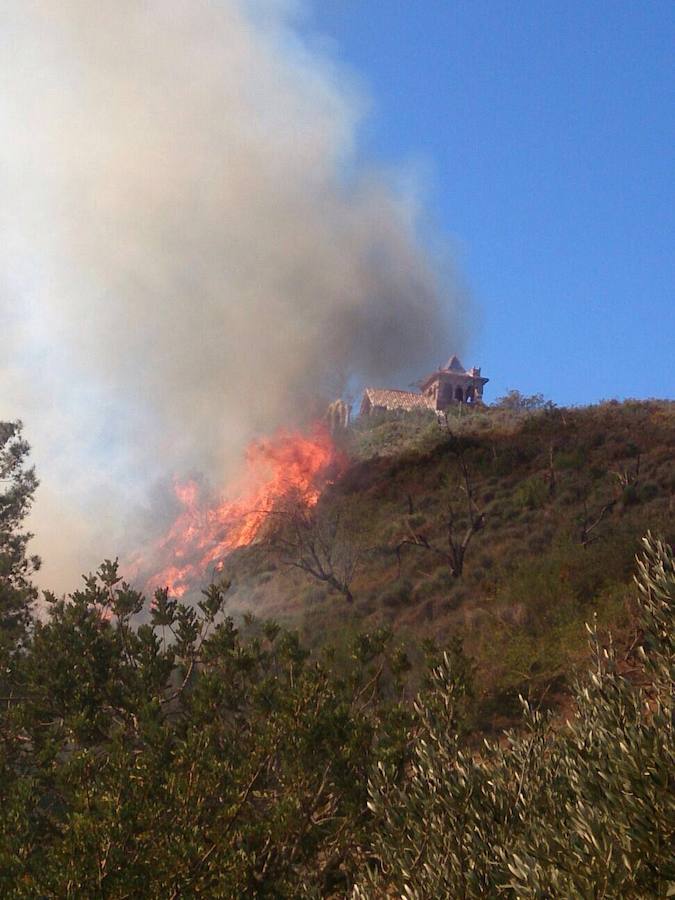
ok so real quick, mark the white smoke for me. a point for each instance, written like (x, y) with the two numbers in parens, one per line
(191, 250)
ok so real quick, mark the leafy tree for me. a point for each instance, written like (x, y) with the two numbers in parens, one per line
(208, 762)
(160, 751)
(180, 757)
(17, 487)
(521, 402)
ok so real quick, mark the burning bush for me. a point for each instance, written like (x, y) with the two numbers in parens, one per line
(287, 465)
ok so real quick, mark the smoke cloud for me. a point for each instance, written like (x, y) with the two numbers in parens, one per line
(191, 251)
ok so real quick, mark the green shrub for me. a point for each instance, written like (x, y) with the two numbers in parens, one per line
(532, 494)
(553, 812)
(417, 520)
(573, 459)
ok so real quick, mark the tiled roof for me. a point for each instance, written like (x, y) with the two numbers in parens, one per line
(391, 399)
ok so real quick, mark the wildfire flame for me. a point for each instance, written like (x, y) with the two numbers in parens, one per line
(205, 531)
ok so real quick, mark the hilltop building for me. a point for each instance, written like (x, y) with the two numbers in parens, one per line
(449, 384)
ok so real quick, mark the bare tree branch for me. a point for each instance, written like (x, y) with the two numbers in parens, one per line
(320, 543)
(455, 552)
(588, 526)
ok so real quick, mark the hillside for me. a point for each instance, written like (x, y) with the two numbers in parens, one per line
(564, 496)
(181, 754)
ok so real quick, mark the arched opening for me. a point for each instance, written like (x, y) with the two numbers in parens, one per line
(470, 396)
(459, 395)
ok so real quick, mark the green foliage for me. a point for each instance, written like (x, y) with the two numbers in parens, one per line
(162, 751)
(531, 494)
(177, 757)
(520, 402)
(388, 433)
(585, 809)
(574, 459)
(17, 487)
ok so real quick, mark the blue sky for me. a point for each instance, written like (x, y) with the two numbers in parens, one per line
(546, 135)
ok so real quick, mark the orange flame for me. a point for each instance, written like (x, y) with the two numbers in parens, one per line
(205, 531)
